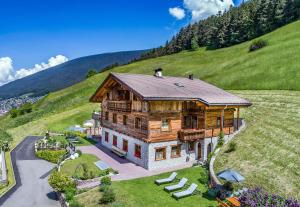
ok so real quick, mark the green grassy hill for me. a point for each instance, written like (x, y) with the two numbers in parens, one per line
(275, 67)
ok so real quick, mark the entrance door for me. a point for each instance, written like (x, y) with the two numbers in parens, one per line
(209, 149)
(199, 151)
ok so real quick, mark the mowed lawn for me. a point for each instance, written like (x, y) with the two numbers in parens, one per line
(69, 167)
(143, 192)
(268, 151)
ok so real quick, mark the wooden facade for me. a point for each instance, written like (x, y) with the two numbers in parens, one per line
(157, 121)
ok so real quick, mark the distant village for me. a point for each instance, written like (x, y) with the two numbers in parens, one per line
(7, 104)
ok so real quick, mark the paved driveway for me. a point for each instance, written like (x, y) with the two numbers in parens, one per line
(32, 188)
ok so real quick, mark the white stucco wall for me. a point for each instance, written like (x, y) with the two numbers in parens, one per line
(148, 150)
(169, 162)
(143, 161)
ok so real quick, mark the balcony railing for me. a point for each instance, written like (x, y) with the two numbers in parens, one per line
(191, 134)
(119, 105)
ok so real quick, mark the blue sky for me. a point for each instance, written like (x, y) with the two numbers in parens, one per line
(33, 31)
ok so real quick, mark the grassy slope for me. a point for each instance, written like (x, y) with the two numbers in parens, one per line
(268, 150)
(70, 166)
(273, 67)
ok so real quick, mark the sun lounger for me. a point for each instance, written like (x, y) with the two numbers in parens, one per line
(190, 191)
(167, 180)
(181, 183)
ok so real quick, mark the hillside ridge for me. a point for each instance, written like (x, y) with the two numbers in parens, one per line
(65, 74)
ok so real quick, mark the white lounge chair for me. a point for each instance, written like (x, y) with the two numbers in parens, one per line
(167, 180)
(181, 183)
(192, 190)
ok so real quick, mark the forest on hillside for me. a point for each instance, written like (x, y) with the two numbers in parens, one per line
(239, 24)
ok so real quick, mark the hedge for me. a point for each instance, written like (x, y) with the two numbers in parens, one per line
(50, 155)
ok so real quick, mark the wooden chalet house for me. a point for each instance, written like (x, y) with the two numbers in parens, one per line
(158, 121)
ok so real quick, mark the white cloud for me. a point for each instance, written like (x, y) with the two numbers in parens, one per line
(201, 9)
(177, 12)
(6, 70)
(53, 61)
(8, 74)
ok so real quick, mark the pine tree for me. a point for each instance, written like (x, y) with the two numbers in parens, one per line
(279, 12)
(263, 17)
(290, 11)
(252, 19)
(194, 43)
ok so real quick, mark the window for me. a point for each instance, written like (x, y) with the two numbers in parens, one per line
(106, 115)
(124, 120)
(191, 146)
(106, 136)
(115, 140)
(114, 118)
(187, 121)
(190, 122)
(175, 151)
(137, 123)
(218, 121)
(160, 154)
(107, 96)
(165, 125)
(125, 145)
(137, 151)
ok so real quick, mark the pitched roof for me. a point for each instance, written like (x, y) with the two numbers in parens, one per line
(177, 88)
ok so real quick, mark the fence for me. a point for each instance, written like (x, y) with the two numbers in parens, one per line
(3, 178)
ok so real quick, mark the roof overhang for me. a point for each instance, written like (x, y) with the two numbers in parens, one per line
(100, 92)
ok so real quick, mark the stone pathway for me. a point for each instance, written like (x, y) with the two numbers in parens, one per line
(127, 170)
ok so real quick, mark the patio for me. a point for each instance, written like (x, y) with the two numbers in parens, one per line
(127, 170)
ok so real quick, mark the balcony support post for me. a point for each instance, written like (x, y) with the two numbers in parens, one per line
(222, 120)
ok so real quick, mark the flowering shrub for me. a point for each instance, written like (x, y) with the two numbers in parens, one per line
(259, 198)
(257, 44)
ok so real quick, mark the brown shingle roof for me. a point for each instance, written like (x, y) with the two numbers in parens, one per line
(175, 88)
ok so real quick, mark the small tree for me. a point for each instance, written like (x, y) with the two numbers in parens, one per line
(194, 43)
(221, 139)
(232, 147)
(5, 140)
(13, 113)
(105, 181)
(108, 196)
(27, 108)
(257, 44)
(91, 73)
(60, 182)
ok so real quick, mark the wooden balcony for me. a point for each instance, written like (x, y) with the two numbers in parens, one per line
(185, 135)
(192, 110)
(124, 106)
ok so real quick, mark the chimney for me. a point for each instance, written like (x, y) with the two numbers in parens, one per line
(191, 77)
(158, 72)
